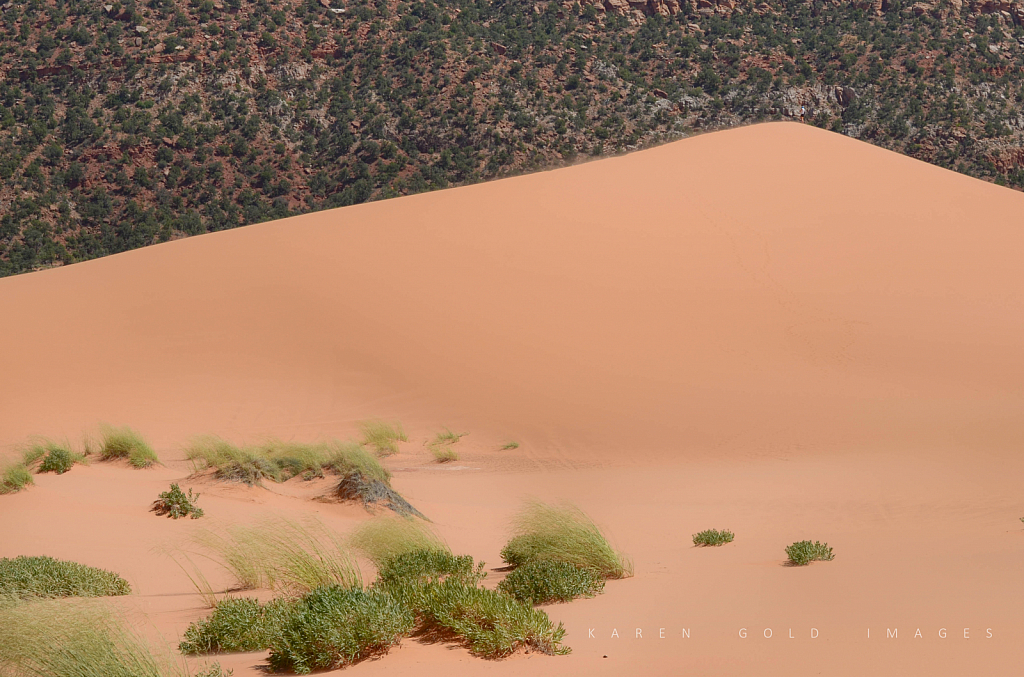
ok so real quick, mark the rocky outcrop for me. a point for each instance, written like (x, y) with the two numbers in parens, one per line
(637, 10)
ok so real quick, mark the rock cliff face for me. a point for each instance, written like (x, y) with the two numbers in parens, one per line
(637, 10)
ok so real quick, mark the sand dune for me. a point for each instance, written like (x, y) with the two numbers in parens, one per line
(774, 328)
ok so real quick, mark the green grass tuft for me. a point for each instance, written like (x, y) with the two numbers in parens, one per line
(33, 577)
(565, 534)
(332, 627)
(447, 437)
(175, 503)
(802, 553)
(545, 581)
(14, 478)
(713, 537)
(126, 443)
(382, 436)
(236, 624)
(54, 639)
(508, 446)
(385, 538)
(444, 454)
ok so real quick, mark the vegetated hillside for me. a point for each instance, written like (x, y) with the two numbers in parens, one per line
(127, 124)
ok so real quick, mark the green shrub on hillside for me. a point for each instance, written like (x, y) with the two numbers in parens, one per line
(383, 436)
(236, 624)
(545, 581)
(802, 553)
(333, 627)
(423, 566)
(30, 577)
(713, 537)
(14, 478)
(59, 460)
(175, 503)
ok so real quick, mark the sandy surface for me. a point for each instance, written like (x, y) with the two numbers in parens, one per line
(773, 329)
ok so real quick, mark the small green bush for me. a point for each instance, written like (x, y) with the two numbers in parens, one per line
(444, 454)
(175, 503)
(236, 624)
(31, 577)
(713, 537)
(508, 446)
(490, 624)
(802, 553)
(544, 581)
(447, 437)
(382, 436)
(14, 478)
(126, 443)
(334, 627)
(423, 566)
(563, 533)
(58, 460)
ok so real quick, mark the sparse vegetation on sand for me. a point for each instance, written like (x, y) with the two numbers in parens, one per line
(442, 446)
(713, 537)
(236, 624)
(279, 461)
(383, 436)
(802, 553)
(545, 581)
(175, 503)
(508, 446)
(42, 577)
(424, 566)
(383, 539)
(278, 553)
(128, 444)
(563, 533)
(14, 477)
(54, 456)
(333, 627)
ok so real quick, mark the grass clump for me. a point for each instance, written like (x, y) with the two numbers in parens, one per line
(56, 457)
(802, 553)
(14, 478)
(383, 539)
(236, 624)
(175, 503)
(292, 556)
(713, 537)
(564, 534)
(545, 581)
(444, 454)
(424, 566)
(441, 447)
(128, 444)
(509, 446)
(333, 627)
(34, 577)
(383, 436)
(52, 639)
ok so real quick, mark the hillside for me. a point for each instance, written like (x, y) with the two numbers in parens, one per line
(127, 124)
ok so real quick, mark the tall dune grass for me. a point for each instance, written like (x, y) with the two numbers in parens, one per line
(126, 443)
(38, 577)
(278, 461)
(14, 477)
(279, 553)
(563, 533)
(55, 639)
(383, 436)
(384, 538)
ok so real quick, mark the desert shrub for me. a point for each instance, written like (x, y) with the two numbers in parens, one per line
(565, 534)
(279, 461)
(280, 553)
(176, 503)
(53, 639)
(58, 460)
(804, 552)
(333, 627)
(508, 446)
(544, 581)
(423, 566)
(444, 454)
(489, 623)
(446, 436)
(713, 537)
(14, 477)
(382, 436)
(383, 539)
(236, 624)
(126, 443)
(31, 577)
